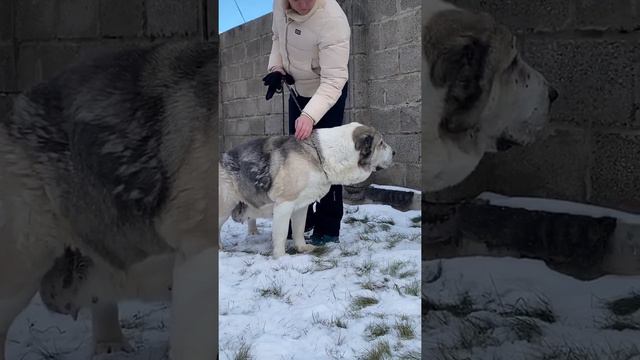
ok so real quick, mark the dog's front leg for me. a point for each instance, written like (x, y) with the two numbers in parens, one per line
(107, 334)
(281, 216)
(194, 306)
(298, 219)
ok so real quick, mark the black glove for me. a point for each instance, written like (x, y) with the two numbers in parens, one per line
(274, 81)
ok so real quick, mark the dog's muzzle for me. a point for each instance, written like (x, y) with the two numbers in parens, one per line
(504, 144)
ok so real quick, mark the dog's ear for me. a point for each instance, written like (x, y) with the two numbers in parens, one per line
(364, 145)
(460, 67)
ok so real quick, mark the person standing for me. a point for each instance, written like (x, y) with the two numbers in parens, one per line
(311, 40)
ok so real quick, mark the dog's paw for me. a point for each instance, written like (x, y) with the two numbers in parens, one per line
(305, 248)
(278, 253)
(113, 347)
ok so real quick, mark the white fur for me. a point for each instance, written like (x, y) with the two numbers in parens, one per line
(340, 165)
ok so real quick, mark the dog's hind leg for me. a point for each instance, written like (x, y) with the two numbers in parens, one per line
(107, 334)
(252, 227)
(298, 219)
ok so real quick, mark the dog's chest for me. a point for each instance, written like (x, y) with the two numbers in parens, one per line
(312, 193)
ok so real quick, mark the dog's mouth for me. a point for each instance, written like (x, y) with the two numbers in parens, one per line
(504, 144)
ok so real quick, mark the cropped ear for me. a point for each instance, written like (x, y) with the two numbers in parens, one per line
(460, 68)
(364, 145)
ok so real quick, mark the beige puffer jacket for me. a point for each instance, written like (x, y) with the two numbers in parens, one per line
(314, 49)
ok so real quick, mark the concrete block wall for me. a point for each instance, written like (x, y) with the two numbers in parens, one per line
(590, 51)
(40, 37)
(384, 81)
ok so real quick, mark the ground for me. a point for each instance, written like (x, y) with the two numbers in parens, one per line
(356, 299)
(485, 308)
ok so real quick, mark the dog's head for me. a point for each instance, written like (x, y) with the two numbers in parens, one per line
(493, 98)
(374, 153)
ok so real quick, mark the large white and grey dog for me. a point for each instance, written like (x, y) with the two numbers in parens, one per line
(282, 176)
(117, 157)
(479, 95)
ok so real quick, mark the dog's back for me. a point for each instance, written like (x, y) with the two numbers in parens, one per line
(110, 135)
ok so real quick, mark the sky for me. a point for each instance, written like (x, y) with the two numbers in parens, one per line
(229, 16)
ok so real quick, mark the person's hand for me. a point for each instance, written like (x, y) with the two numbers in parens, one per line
(278, 69)
(304, 126)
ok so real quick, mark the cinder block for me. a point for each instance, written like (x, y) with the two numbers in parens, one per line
(240, 89)
(78, 18)
(407, 147)
(594, 79)
(410, 58)
(35, 19)
(395, 175)
(230, 73)
(253, 48)
(383, 64)
(249, 107)
(358, 39)
(613, 14)
(232, 109)
(401, 30)
(381, 9)
(273, 125)
(166, 18)
(358, 94)
(7, 67)
(410, 118)
(227, 92)
(255, 88)
(260, 66)
(357, 14)
(265, 107)
(238, 53)
(246, 70)
(226, 56)
(410, 4)
(615, 173)
(385, 120)
(555, 168)
(404, 89)
(519, 16)
(265, 44)
(38, 62)
(6, 19)
(413, 177)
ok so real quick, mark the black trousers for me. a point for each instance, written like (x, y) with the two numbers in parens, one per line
(328, 215)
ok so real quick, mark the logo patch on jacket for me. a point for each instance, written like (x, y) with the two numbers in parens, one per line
(298, 32)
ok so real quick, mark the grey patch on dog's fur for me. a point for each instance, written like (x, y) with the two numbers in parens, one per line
(238, 214)
(458, 62)
(254, 163)
(64, 277)
(365, 138)
(110, 136)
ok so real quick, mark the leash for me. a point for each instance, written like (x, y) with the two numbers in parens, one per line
(295, 100)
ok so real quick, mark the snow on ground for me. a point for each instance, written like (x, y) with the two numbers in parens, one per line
(362, 294)
(505, 308)
(38, 334)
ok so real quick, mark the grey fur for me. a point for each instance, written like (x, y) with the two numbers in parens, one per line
(253, 164)
(111, 133)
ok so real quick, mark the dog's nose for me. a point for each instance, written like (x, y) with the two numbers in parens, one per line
(553, 94)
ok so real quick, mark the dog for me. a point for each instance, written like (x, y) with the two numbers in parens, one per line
(479, 95)
(77, 281)
(282, 176)
(116, 156)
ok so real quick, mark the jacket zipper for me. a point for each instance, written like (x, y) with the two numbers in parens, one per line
(286, 42)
